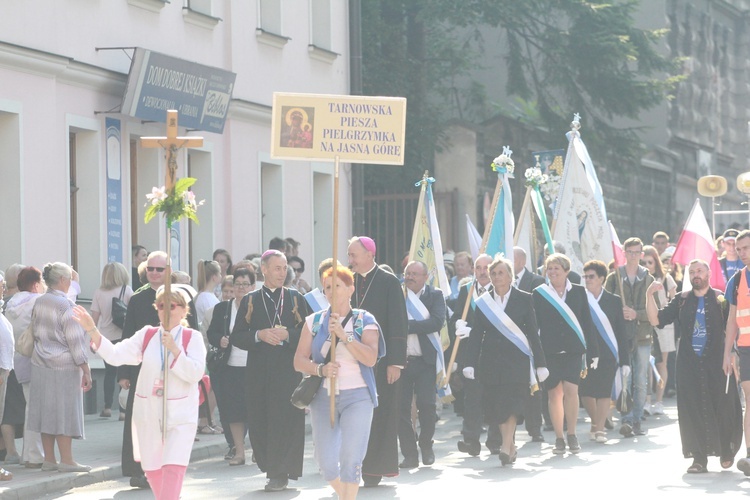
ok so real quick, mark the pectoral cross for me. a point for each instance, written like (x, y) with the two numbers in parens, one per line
(171, 144)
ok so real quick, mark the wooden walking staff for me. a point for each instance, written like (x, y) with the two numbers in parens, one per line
(482, 248)
(334, 276)
(171, 144)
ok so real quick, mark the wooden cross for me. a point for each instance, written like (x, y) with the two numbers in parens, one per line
(171, 143)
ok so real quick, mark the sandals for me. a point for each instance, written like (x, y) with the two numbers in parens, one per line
(697, 468)
(726, 462)
(207, 429)
(5, 475)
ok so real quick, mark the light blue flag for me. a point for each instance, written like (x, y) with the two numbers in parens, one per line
(500, 238)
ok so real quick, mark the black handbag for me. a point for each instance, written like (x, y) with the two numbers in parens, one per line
(624, 403)
(305, 391)
(119, 309)
(217, 357)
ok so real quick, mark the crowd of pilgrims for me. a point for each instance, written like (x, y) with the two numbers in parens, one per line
(530, 343)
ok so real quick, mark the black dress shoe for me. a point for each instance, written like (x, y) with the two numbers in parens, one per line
(428, 456)
(140, 482)
(372, 481)
(537, 438)
(504, 458)
(472, 448)
(608, 424)
(409, 463)
(278, 484)
(493, 450)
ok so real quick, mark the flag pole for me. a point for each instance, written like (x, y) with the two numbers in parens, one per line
(334, 276)
(482, 248)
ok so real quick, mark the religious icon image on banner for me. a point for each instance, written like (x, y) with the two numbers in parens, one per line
(550, 163)
(297, 127)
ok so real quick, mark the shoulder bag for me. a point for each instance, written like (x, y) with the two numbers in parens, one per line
(119, 308)
(310, 384)
(217, 357)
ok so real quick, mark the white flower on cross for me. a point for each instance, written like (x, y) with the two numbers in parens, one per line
(157, 195)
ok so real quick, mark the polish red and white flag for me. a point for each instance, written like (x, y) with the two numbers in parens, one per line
(617, 249)
(696, 242)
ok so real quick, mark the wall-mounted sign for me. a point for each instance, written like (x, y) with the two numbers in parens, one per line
(114, 190)
(157, 83)
(354, 128)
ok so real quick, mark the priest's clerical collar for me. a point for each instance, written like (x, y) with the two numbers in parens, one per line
(364, 275)
(272, 290)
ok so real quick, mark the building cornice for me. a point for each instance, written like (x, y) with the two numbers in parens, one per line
(240, 109)
(64, 69)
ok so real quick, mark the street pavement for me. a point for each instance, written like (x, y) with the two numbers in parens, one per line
(649, 466)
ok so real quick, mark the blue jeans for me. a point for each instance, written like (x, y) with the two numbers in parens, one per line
(639, 378)
(339, 451)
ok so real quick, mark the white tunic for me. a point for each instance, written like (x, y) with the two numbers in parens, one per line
(182, 395)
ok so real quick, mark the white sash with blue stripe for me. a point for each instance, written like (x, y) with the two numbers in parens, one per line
(603, 326)
(510, 330)
(316, 300)
(416, 310)
(551, 296)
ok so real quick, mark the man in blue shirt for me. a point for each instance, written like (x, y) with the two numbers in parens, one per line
(730, 261)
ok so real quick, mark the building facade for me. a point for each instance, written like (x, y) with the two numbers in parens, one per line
(64, 136)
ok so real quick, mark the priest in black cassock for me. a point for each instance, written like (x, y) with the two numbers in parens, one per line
(268, 325)
(379, 292)
(710, 416)
(141, 312)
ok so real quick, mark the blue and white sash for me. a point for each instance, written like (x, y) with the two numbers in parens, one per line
(509, 329)
(416, 310)
(316, 300)
(603, 326)
(551, 296)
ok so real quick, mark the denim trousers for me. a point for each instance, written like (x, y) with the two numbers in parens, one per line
(339, 450)
(639, 379)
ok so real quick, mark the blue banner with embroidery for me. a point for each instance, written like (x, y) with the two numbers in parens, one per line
(551, 296)
(509, 329)
(603, 326)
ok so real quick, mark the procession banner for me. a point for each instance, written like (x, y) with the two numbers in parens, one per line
(525, 236)
(352, 128)
(427, 247)
(551, 163)
(579, 221)
(475, 239)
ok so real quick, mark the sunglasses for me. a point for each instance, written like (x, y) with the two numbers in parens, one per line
(298, 270)
(172, 306)
(157, 269)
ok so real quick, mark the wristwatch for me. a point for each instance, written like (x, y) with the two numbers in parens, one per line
(350, 338)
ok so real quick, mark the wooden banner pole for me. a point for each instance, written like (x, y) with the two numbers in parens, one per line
(482, 248)
(334, 277)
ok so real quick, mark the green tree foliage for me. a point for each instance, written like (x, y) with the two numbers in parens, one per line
(562, 56)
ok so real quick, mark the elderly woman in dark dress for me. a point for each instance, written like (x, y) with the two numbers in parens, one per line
(505, 346)
(606, 312)
(568, 338)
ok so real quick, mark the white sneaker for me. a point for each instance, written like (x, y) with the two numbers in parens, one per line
(657, 408)
(601, 437)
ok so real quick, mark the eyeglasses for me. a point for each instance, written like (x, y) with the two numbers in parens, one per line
(157, 269)
(240, 284)
(172, 306)
(590, 276)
